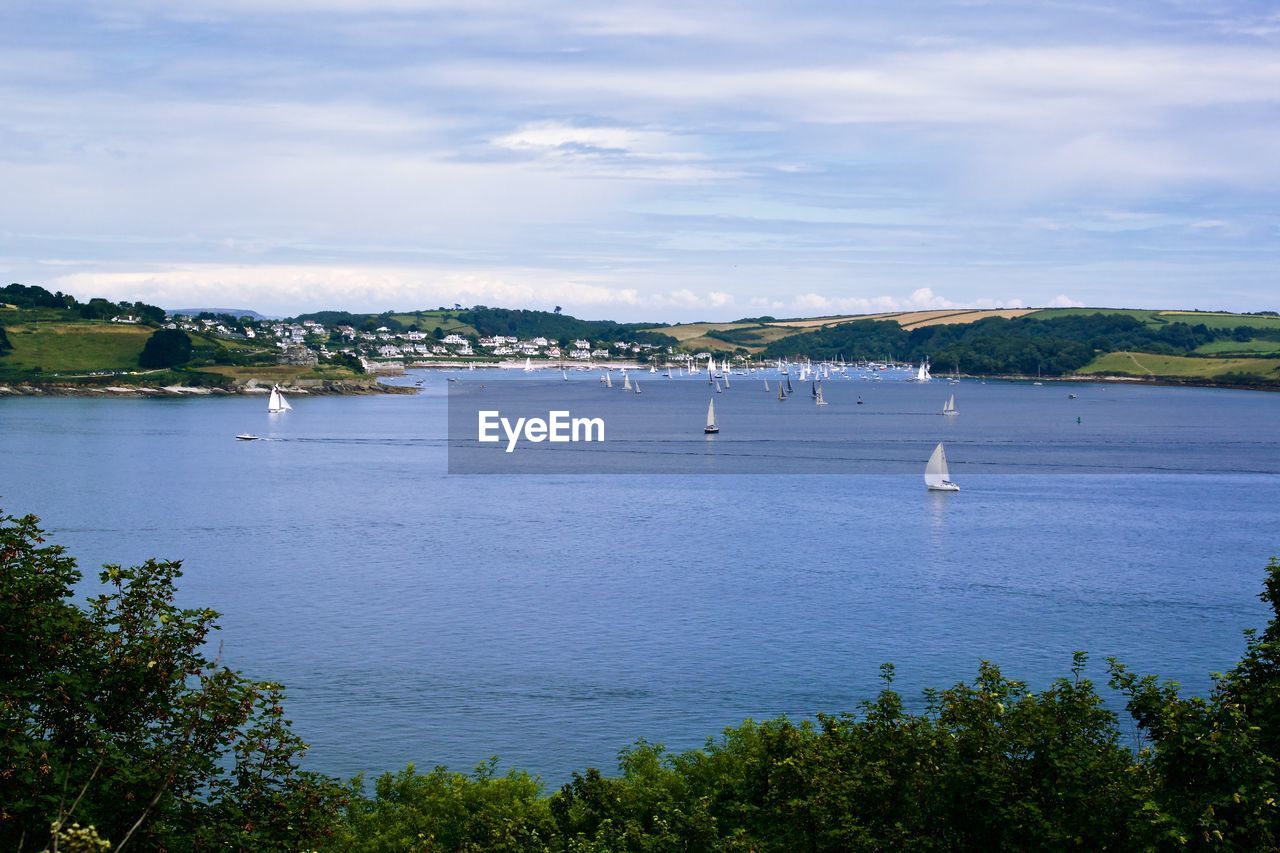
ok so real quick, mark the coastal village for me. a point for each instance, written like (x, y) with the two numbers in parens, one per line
(387, 350)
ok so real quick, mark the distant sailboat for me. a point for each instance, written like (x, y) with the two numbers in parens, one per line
(564, 375)
(637, 386)
(608, 380)
(528, 365)
(719, 390)
(922, 375)
(936, 475)
(711, 417)
(949, 408)
(782, 393)
(626, 381)
(819, 399)
(726, 379)
(766, 385)
(277, 403)
(788, 384)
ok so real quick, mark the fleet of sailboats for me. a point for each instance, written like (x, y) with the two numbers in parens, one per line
(949, 407)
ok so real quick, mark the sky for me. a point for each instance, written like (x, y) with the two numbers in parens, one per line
(665, 161)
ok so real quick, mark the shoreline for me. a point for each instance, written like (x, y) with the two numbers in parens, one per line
(306, 387)
(340, 388)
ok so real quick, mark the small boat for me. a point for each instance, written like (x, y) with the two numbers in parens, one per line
(719, 390)
(949, 408)
(820, 400)
(859, 401)
(937, 478)
(1071, 396)
(636, 388)
(766, 385)
(711, 418)
(247, 436)
(277, 403)
(528, 365)
(626, 381)
(782, 393)
(564, 375)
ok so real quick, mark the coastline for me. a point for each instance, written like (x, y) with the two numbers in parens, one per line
(304, 387)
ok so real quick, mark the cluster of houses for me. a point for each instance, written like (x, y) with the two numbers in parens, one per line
(308, 341)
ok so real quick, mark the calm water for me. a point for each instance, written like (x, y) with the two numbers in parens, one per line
(552, 619)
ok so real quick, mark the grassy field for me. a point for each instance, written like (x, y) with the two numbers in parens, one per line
(1180, 367)
(73, 347)
(1213, 320)
(1244, 348)
(430, 319)
(281, 373)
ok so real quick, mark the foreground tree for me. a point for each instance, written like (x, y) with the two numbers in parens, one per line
(112, 716)
(165, 348)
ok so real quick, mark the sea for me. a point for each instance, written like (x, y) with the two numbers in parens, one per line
(427, 598)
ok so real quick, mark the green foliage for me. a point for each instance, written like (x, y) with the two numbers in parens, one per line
(166, 348)
(115, 726)
(449, 811)
(5, 346)
(112, 717)
(996, 345)
(529, 324)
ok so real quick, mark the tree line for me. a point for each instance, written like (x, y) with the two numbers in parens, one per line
(998, 345)
(117, 726)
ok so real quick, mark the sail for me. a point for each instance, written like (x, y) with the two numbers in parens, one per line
(284, 404)
(528, 365)
(626, 382)
(950, 407)
(637, 387)
(936, 473)
(608, 380)
(766, 385)
(711, 413)
(782, 394)
(276, 401)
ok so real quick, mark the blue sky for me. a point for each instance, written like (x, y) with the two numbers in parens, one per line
(664, 160)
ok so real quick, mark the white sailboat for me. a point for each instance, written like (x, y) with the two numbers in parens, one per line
(564, 375)
(937, 478)
(949, 407)
(819, 399)
(637, 386)
(608, 380)
(276, 402)
(528, 365)
(711, 417)
(922, 375)
(766, 385)
(626, 381)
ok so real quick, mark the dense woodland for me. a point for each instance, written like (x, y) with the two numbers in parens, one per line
(1054, 346)
(116, 725)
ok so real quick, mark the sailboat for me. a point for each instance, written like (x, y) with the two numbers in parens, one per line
(608, 380)
(719, 390)
(711, 417)
(528, 365)
(726, 379)
(819, 399)
(626, 381)
(277, 402)
(782, 393)
(653, 368)
(788, 384)
(564, 375)
(766, 385)
(936, 476)
(922, 375)
(636, 387)
(949, 407)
